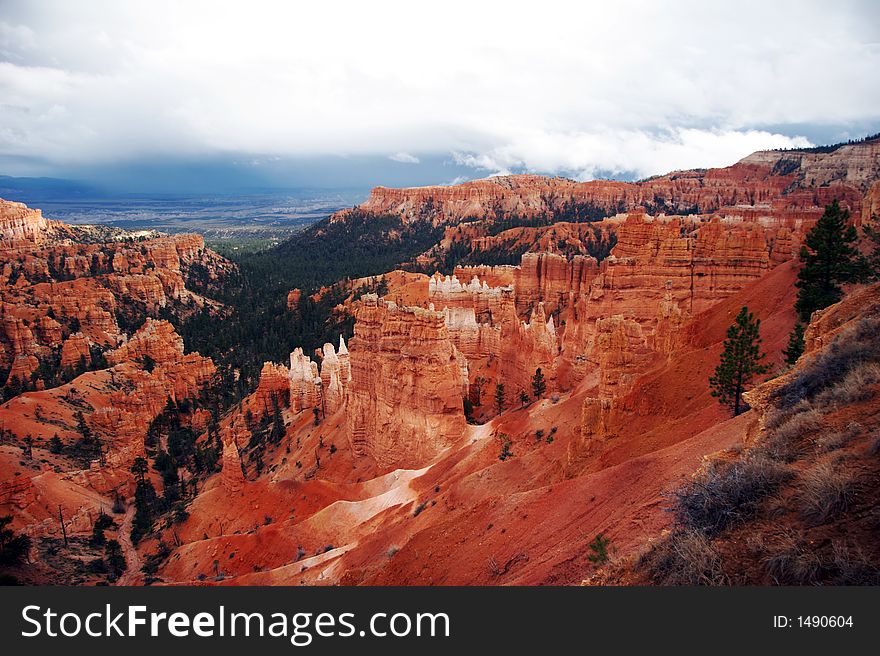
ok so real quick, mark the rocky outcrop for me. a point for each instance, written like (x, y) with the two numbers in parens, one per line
(75, 350)
(156, 340)
(335, 376)
(273, 388)
(293, 298)
(661, 272)
(305, 382)
(550, 279)
(23, 227)
(404, 402)
(232, 475)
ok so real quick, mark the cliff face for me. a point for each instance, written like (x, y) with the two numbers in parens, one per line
(782, 188)
(57, 281)
(23, 227)
(485, 326)
(404, 402)
(273, 388)
(660, 273)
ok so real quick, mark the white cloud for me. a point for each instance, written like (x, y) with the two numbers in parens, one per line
(570, 87)
(585, 155)
(404, 158)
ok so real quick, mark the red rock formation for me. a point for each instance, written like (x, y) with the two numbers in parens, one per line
(293, 297)
(661, 272)
(232, 475)
(155, 339)
(21, 226)
(404, 402)
(780, 188)
(274, 387)
(305, 382)
(75, 350)
(335, 376)
(550, 279)
(49, 269)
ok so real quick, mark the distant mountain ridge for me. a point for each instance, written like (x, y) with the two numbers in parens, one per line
(785, 187)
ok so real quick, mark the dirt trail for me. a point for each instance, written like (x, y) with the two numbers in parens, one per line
(132, 574)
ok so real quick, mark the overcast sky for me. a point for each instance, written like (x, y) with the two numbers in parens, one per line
(428, 93)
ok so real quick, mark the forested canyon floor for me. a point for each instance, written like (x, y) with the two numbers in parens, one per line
(399, 431)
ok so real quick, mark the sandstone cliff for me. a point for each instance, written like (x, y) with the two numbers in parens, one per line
(783, 188)
(404, 402)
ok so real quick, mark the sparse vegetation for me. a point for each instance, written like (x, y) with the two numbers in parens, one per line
(795, 346)
(539, 385)
(824, 493)
(599, 550)
(728, 493)
(853, 348)
(13, 548)
(499, 397)
(763, 515)
(685, 557)
(506, 444)
(740, 361)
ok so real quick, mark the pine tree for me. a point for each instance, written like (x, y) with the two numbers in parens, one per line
(539, 385)
(740, 361)
(599, 550)
(506, 443)
(523, 398)
(830, 259)
(139, 468)
(115, 558)
(795, 347)
(277, 432)
(499, 397)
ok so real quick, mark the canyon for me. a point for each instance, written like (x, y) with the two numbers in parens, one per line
(424, 446)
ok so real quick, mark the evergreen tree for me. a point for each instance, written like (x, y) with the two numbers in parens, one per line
(55, 444)
(277, 432)
(740, 361)
(830, 259)
(539, 385)
(599, 550)
(139, 469)
(115, 558)
(12, 547)
(795, 344)
(499, 397)
(523, 398)
(506, 443)
(145, 504)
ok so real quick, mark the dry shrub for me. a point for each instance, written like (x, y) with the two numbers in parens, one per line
(684, 557)
(851, 565)
(854, 388)
(854, 347)
(790, 560)
(728, 493)
(787, 442)
(778, 416)
(824, 493)
(837, 440)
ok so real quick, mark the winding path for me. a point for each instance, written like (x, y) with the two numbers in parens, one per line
(132, 573)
